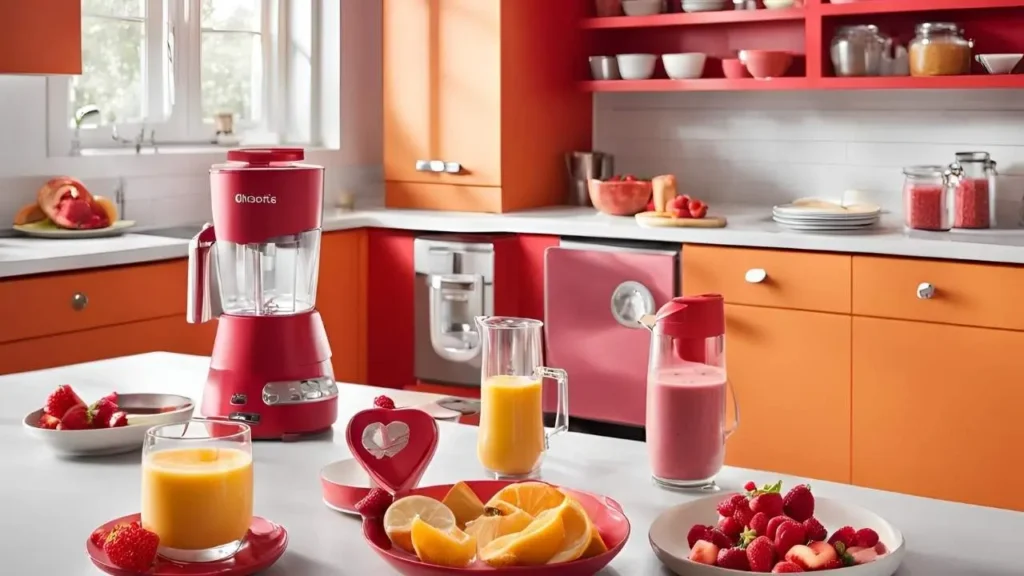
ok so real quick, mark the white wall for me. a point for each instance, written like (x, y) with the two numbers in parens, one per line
(769, 147)
(172, 188)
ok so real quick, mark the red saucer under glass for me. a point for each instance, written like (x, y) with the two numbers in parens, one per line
(263, 545)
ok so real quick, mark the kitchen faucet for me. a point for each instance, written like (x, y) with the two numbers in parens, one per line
(139, 141)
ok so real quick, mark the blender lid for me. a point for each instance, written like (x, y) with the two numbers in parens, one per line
(242, 159)
(700, 316)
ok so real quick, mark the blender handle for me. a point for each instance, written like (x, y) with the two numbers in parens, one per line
(198, 308)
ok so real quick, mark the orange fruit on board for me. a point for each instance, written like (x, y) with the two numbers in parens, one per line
(464, 503)
(500, 520)
(451, 547)
(530, 497)
(533, 546)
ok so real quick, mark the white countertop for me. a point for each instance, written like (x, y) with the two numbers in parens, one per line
(747, 226)
(50, 506)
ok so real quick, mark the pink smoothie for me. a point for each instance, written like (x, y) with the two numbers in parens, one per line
(686, 422)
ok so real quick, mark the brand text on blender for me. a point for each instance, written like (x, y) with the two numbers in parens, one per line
(265, 199)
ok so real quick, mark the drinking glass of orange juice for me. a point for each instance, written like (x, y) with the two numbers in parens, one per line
(511, 440)
(197, 488)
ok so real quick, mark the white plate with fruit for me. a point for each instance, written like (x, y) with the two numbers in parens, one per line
(768, 530)
(64, 208)
(114, 424)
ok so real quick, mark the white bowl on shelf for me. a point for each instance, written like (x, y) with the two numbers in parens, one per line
(636, 66)
(778, 4)
(642, 7)
(999, 63)
(684, 66)
(703, 5)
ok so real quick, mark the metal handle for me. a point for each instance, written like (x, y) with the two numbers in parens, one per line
(438, 166)
(755, 275)
(925, 291)
(79, 301)
(199, 307)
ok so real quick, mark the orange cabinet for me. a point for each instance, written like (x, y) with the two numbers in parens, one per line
(936, 411)
(486, 90)
(341, 300)
(40, 37)
(790, 372)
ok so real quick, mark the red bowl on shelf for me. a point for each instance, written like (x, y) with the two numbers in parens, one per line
(620, 197)
(605, 513)
(734, 69)
(764, 64)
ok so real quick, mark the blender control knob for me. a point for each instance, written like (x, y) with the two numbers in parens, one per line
(925, 291)
(755, 275)
(79, 301)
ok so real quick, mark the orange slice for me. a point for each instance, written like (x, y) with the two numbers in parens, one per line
(398, 519)
(451, 547)
(596, 546)
(530, 497)
(533, 546)
(464, 503)
(108, 207)
(500, 520)
(578, 531)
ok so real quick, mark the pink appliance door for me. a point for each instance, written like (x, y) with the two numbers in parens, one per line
(593, 295)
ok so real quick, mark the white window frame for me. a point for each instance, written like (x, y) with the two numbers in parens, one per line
(178, 22)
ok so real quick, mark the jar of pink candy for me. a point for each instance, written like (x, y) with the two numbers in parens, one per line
(927, 196)
(974, 201)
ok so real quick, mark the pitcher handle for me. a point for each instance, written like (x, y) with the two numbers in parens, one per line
(562, 408)
(735, 411)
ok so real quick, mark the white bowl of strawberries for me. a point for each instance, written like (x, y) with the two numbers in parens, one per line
(114, 424)
(767, 530)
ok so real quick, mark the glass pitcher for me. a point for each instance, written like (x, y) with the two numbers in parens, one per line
(512, 441)
(687, 392)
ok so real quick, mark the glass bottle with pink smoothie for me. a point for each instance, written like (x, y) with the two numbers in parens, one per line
(687, 392)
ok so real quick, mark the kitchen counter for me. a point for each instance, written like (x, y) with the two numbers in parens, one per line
(50, 506)
(748, 226)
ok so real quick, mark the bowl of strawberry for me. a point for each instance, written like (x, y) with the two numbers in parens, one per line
(768, 530)
(113, 424)
(620, 195)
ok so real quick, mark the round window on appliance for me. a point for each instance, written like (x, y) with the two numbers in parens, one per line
(631, 301)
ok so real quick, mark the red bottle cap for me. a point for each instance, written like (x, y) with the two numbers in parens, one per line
(693, 317)
(265, 156)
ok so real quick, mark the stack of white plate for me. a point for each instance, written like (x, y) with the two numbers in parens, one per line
(824, 216)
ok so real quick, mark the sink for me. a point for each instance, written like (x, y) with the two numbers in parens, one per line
(184, 232)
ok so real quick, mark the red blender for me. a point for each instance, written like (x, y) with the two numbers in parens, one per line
(271, 363)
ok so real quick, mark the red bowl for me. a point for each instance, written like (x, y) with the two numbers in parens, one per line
(606, 514)
(620, 198)
(734, 69)
(765, 64)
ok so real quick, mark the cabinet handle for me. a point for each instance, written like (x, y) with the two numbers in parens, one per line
(438, 166)
(925, 291)
(755, 275)
(79, 301)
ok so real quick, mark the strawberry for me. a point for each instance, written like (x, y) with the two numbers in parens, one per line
(679, 203)
(112, 398)
(733, 558)
(680, 213)
(117, 420)
(846, 535)
(815, 556)
(629, 178)
(815, 531)
(698, 209)
(866, 537)
(742, 514)
(704, 552)
(61, 400)
(833, 564)
(384, 402)
(719, 539)
(761, 554)
(759, 524)
(789, 534)
(799, 503)
(131, 547)
(698, 532)
(861, 555)
(374, 504)
(99, 536)
(102, 410)
(48, 422)
(746, 537)
(737, 498)
(77, 418)
(769, 503)
(731, 527)
(785, 567)
(726, 508)
(750, 486)
(774, 523)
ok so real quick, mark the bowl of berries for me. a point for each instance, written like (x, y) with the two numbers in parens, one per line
(620, 195)
(764, 529)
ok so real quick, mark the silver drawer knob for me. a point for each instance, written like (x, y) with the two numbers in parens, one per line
(79, 301)
(755, 275)
(438, 166)
(925, 291)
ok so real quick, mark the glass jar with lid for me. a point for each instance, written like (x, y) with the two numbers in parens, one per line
(927, 196)
(939, 49)
(974, 202)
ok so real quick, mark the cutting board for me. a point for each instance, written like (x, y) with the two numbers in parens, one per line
(664, 220)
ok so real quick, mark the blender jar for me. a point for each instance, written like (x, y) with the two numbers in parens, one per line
(927, 202)
(974, 202)
(276, 277)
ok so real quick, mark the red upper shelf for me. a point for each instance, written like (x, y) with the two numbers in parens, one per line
(696, 18)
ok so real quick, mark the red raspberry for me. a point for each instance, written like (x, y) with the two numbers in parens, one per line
(761, 554)
(384, 402)
(866, 537)
(726, 507)
(846, 535)
(731, 527)
(788, 535)
(815, 531)
(759, 524)
(770, 503)
(374, 504)
(718, 538)
(750, 486)
(733, 558)
(743, 513)
(698, 532)
(786, 568)
(799, 503)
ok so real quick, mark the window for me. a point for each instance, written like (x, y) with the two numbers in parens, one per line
(182, 71)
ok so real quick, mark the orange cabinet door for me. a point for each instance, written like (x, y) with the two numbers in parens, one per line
(936, 410)
(170, 334)
(790, 371)
(341, 300)
(40, 37)
(442, 90)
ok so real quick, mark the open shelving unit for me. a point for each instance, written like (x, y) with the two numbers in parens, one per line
(996, 26)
